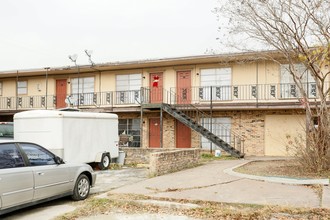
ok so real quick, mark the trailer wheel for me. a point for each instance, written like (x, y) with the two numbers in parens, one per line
(105, 162)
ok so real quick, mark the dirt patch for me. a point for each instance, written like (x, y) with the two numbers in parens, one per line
(282, 168)
(131, 205)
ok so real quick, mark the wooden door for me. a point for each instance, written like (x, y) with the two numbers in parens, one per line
(183, 136)
(183, 87)
(61, 93)
(156, 87)
(154, 132)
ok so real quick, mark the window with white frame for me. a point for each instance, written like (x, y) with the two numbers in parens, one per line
(221, 127)
(128, 88)
(129, 132)
(289, 88)
(83, 90)
(215, 84)
(21, 87)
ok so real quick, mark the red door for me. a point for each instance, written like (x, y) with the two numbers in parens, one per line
(154, 132)
(183, 87)
(60, 93)
(156, 87)
(183, 136)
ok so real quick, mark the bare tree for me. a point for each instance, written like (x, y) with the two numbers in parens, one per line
(300, 31)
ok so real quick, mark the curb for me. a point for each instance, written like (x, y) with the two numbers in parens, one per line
(283, 180)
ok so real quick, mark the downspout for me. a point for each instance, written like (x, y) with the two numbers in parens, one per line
(46, 103)
(100, 84)
(141, 126)
(16, 88)
(257, 85)
(211, 119)
(161, 127)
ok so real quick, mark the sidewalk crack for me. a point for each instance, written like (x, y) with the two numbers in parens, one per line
(156, 190)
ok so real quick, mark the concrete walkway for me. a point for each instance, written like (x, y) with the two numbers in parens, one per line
(210, 183)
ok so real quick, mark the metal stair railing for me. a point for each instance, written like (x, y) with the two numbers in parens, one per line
(198, 118)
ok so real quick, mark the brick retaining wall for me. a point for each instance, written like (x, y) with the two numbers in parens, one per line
(171, 161)
(137, 155)
(162, 161)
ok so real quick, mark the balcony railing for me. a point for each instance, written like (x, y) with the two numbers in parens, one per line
(197, 95)
(250, 93)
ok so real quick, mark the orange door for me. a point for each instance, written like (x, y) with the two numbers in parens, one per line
(183, 87)
(156, 87)
(154, 132)
(183, 136)
(60, 93)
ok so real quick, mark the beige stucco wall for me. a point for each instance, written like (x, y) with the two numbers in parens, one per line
(36, 87)
(8, 88)
(242, 74)
(277, 130)
(261, 72)
(108, 81)
(51, 86)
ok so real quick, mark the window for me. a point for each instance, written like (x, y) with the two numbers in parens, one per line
(288, 87)
(37, 156)
(128, 88)
(86, 90)
(129, 132)
(0, 88)
(6, 130)
(10, 157)
(220, 127)
(22, 87)
(219, 81)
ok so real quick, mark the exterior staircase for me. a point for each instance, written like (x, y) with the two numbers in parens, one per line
(191, 117)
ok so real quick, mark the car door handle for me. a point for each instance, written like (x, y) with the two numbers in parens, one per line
(40, 173)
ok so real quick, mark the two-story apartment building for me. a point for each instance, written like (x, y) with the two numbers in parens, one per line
(252, 104)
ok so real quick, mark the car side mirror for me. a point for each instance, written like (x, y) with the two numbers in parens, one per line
(58, 160)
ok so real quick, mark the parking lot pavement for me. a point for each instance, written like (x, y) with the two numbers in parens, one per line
(111, 179)
(210, 183)
(105, 181)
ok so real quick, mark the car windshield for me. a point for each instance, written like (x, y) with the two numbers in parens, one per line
(6, 130)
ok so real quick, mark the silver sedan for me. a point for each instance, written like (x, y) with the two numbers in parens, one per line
(30, 174)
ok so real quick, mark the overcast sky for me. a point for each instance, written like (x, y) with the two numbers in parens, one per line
(43, 33)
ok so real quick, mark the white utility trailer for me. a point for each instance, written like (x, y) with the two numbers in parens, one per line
(75, 136)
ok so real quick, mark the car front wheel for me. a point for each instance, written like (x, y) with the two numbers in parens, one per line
(82, 187)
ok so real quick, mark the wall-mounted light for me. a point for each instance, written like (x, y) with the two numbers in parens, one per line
(197, 74)
(143, 77)
(38, 87)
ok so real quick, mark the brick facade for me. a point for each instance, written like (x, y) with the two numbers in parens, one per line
(250, 124)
